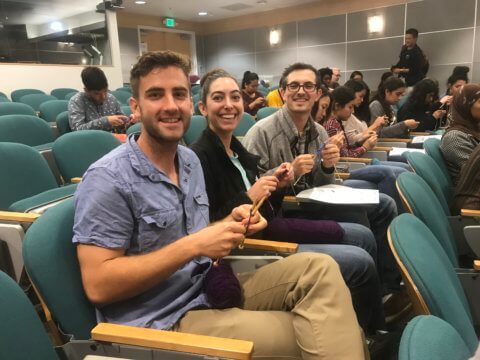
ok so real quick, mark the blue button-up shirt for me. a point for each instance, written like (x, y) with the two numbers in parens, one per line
(124, 202)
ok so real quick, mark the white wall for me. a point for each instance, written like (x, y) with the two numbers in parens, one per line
(48, 77)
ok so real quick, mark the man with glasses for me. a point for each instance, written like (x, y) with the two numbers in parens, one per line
(291, 135)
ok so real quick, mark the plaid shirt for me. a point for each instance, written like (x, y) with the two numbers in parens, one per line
(333, 127)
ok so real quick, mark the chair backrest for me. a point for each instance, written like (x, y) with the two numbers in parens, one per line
(60, 93)
(17, 94)
(246, 122)
(76, 151)
(422, 202)
(122, 96)
(25, 129)
(51, 262)
(198, 123)
(266, 111)
(429, 337)
(196, 98)
(427, 169)
(22, 335)
(35, 100)
(70, 95)
(49, 110)
(126, 88)
(196, 88)
(63, 123)
(4, 99)
(432, 148)
(15, 108)
(24, 173)
(126, 110)
(423, 261)
(135, 128)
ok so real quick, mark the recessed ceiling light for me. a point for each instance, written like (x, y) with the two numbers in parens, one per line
(203, 13)
(140, 2)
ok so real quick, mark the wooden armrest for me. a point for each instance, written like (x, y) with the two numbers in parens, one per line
(290, 199)
(342, 176)
(382, 148)
(470, 212)
(277, 246)
(75, 180)
(395, 140)
(357, 160)
(18, 216)
(419, 133)
(173, 341)
(476, 264)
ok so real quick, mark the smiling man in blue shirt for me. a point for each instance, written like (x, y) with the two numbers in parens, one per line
(145, 243)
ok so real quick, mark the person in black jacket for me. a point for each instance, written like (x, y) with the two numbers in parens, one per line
(412, 63)
(231, 178)
(423, 106)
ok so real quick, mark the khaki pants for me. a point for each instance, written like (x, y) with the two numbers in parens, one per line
(295, 308)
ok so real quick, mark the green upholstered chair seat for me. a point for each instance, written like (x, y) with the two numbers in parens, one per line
(22, 335)
(266, 111)
(63, 123)
(35, 100)
(51, 261)
(11, 108)
(429, 171)
(428, 337)
(25, 129)
(433, 275)
(49, 110)
(432, 148)
(76, 151)
(427, 208)
(43, 198)
(122, 96)
(246, 122)
(17, 94)
(198, 123)
(60, 93)
(135, 128)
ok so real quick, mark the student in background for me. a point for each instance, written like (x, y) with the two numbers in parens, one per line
(356, 75)
(95, 107)
(463, 134)
(274, 98)
(325, 77)
(388, 95)
(412, 64)
(384, 77)
(336, 75)
(322, 108)
(423, 106)
(455, 81)
(467, 192)
(252, 99)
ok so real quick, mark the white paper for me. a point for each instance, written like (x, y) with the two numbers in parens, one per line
(400, 151)
(421, 139)
(339, 194)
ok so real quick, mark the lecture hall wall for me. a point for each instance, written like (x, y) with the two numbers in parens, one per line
(335, 33)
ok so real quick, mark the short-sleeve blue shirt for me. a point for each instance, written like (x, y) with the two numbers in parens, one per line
(124, 202)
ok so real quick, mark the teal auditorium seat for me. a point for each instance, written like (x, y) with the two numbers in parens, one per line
(428, 170)
(432, 148)
(60, 93)
(198, 123)
(122, 96)
(266, 111)
(49, 110)
(428, 337)
(126, 110)
(246, 122)
(35, 100)
(63, 123)
(196, 89)
(26, 129)
(17, 94)
(70, 95)
(126, 88)
(135, 128)
(76, 151)
(22, 335)
(4, 99)
(12, 108)
(429, 274)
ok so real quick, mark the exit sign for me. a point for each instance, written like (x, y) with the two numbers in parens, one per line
(169, 22)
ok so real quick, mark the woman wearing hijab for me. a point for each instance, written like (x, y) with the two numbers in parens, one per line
(463, 135)
(467, 193)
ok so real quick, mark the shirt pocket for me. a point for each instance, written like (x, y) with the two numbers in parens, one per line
(201, 217)
(157, 229)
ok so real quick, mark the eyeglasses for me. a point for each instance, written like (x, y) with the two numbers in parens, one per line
(307, 87)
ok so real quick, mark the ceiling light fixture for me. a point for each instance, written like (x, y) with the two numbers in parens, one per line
(202, 13)
(140, 2)
(375, 24)
(275, 36)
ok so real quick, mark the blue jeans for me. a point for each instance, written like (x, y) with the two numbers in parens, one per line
(383, 177)
(360, 274)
